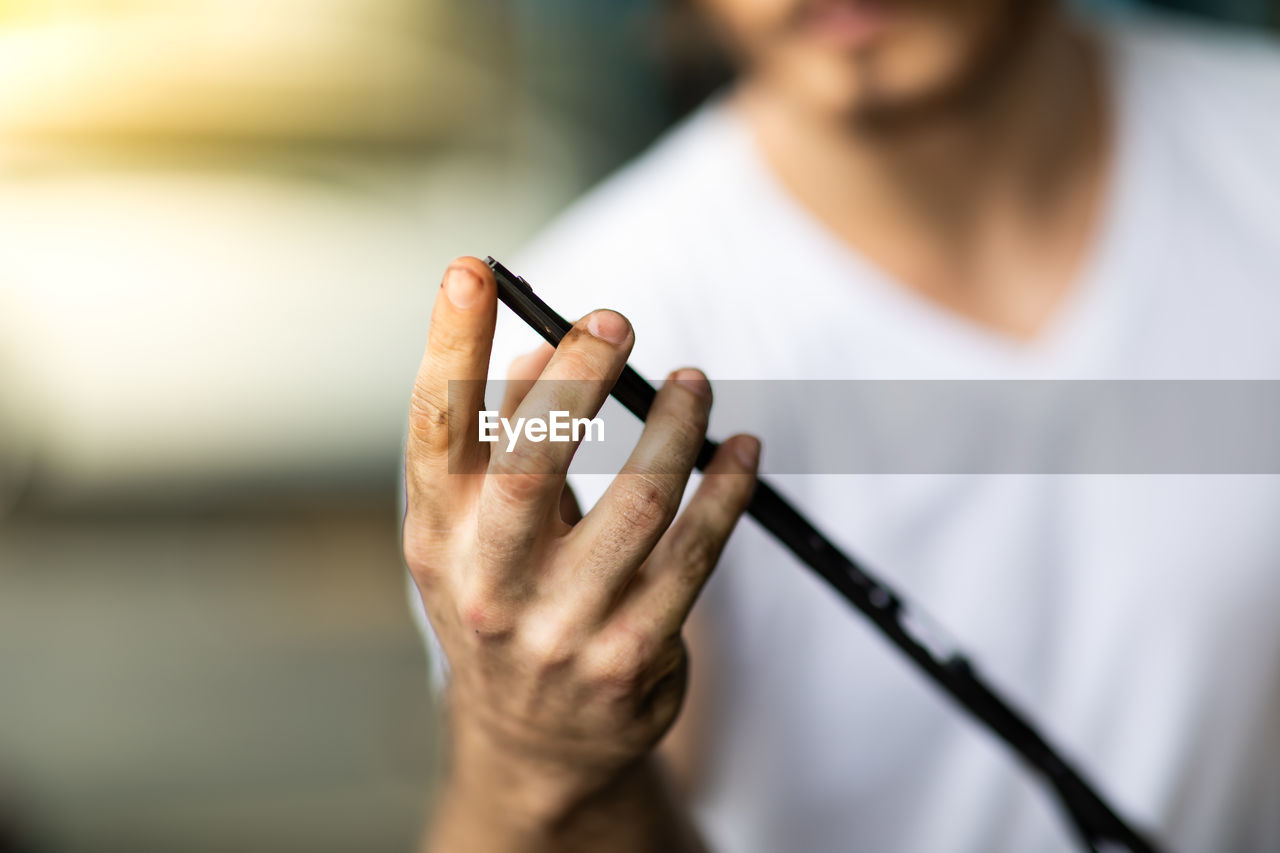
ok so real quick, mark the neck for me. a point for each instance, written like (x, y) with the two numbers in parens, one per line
(984, 204)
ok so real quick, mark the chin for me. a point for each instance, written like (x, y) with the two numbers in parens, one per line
(920, 66)
(874, 84)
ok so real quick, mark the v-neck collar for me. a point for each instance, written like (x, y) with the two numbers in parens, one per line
(1069, 341)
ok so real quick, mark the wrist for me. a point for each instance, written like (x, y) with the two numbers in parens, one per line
(527, 787)
(501, 800)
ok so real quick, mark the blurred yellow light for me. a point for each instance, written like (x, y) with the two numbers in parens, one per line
(314, 69)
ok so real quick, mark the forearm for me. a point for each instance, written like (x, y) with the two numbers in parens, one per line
(483, 808)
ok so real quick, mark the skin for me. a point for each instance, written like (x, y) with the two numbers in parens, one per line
(564, 639)
(974, 131)
(974, 135)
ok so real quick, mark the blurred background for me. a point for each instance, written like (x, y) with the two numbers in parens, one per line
(221, 227)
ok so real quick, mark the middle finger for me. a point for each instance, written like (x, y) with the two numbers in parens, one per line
(521, 493)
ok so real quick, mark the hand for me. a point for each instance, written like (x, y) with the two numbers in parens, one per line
(563, 635)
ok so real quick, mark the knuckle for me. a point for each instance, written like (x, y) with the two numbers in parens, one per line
(622, 677)
(519, 482)
(643, 502)
(624, 662)
(695, 548)
(426, 576)
(426, 546)
(429, 580)
(484, 617)
(422, 556)
(428, 411)
(549, 646)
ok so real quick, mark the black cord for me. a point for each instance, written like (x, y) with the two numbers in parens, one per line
(1097, 825)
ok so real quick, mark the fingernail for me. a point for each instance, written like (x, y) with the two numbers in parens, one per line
(609, 326)
(462, 286)
(747, 451)
(694, 381)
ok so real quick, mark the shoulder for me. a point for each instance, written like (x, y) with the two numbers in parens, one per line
(1215, 85)
(1198, 56)
(1206, 99)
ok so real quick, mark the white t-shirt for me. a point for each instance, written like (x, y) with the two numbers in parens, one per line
(1132, 616)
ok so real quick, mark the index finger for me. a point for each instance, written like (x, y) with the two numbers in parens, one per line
(444, 437)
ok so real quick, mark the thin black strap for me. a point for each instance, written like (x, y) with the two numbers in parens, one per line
(1098, 826)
